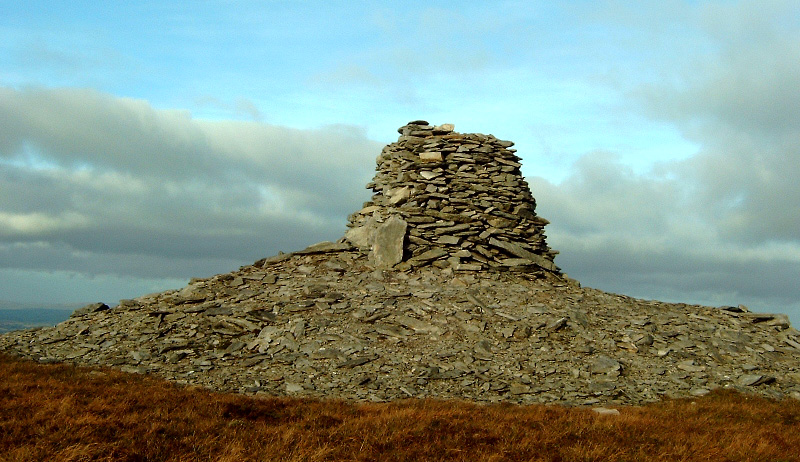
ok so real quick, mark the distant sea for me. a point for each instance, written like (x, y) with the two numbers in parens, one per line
(15, 316)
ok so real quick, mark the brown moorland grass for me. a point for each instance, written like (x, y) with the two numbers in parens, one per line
(63, 413)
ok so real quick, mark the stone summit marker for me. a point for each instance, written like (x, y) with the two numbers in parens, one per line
(443, 286)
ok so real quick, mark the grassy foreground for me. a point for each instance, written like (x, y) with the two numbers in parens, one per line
(64, 413)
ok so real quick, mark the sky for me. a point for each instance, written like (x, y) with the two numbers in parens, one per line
(145, 143)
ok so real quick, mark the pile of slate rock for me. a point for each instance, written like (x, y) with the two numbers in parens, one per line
(451, 200)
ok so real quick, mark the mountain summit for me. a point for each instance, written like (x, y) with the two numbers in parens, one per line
(443, 286)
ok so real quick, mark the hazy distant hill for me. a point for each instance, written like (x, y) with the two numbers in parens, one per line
(15, 316)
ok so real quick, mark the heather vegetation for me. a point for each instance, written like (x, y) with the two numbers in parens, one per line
(62, 412)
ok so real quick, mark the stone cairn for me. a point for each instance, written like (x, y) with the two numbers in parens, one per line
(450, 200)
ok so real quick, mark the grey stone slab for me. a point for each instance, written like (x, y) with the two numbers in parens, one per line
(387, 249)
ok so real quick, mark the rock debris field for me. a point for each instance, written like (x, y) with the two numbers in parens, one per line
(442, 287)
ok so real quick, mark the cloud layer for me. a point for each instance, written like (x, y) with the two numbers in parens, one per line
(90, 180)
(724, 224)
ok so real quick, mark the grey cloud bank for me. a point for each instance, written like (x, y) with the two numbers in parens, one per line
(719, 227)
(102, 185)
(649, 237)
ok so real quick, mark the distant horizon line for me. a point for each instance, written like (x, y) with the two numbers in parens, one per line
(6, 304)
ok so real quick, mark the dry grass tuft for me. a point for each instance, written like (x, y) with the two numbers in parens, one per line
(66, 413)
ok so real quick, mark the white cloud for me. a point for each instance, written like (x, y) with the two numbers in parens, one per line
(39, 223)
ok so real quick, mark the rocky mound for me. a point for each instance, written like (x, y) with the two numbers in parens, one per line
(451, 200)
(443, 287)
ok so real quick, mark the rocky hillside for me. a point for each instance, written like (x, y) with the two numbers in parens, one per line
(442, 287)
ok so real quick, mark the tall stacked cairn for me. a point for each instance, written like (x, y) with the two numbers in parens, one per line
(450, 200)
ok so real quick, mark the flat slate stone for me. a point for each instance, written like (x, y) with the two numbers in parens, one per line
(604, 365)
(430, 156)
(387, 250)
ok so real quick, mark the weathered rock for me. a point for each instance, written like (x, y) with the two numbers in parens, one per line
(387, 249)
(443, 129)
(399, 196)
(430, 156)
(752, 380)
(604, 365)
(605, 411)
(91, 308)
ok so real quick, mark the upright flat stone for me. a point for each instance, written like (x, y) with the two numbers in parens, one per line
(361, 237)
(387, 250)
